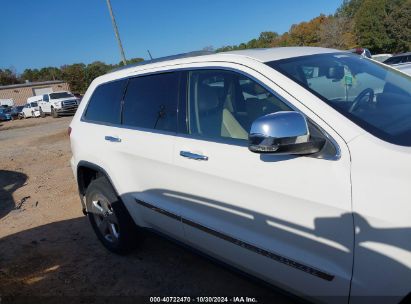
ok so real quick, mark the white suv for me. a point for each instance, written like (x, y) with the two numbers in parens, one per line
(291, 164)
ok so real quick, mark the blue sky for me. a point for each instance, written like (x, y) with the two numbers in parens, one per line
(41, 33)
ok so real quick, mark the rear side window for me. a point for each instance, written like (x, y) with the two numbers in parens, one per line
(151, 102)
(105, 103)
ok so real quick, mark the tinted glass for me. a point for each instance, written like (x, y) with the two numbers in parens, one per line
(394, 60)
(372, 95)
(46, 97)
(224, 104)
(105, 103)
(151, 102)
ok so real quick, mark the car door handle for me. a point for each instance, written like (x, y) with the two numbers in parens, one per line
(112, 138)
(194, 156)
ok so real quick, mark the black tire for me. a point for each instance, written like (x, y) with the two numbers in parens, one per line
(127, 230)
(54, 113)
(42, 114)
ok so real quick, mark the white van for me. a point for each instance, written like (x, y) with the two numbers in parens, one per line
(36, 98)
(7, 102)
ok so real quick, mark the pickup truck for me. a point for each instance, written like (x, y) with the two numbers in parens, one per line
(58, 104)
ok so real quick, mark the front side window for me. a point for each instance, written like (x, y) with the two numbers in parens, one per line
(224, 104)
(151, 102)
(105, 103)
(374, 96)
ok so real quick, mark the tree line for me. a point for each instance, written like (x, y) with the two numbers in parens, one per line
(383, 26)
(78, 75)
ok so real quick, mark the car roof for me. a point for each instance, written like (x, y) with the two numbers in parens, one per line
(261, 55)
(271, 54)
(403, 54)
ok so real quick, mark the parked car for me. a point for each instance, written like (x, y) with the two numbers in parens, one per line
(401, 62)
(361, 51)
(399, 59)
(381, 57)
(291, 164)
(5, 114)
(58, 104)
(15, 111)
(31, 109)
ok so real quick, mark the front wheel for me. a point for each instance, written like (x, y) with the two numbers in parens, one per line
(109, 218)
(42, 114)
(54, 113)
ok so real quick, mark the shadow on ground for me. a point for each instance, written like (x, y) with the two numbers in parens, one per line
(10, 181)
(65, 259)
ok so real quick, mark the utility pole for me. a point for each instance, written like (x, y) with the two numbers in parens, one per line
(113, 20)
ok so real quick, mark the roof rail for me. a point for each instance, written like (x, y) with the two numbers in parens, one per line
(166, 58)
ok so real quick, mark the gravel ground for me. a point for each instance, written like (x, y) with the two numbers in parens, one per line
(47, 247)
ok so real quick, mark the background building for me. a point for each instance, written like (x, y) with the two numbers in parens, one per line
(20, 92)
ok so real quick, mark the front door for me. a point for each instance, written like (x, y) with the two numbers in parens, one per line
(45, 104)
(285, 219)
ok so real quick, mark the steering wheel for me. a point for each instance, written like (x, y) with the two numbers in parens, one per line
(360, 97)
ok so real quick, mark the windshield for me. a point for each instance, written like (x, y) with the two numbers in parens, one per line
(60, 95)
(34, 104)
(372, 95)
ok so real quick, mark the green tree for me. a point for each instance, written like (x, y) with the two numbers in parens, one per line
(370, 30)
(75, 75)
(349, 8)
(94, 70)
(8, 76)
(131, 61)
(266, 39)
(29, 75)
(398, 25)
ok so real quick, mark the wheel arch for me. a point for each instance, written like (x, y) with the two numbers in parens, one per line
(86, 173)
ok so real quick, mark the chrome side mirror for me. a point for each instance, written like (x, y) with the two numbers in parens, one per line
(283, 133)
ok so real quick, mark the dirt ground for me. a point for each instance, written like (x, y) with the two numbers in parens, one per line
(48, 249)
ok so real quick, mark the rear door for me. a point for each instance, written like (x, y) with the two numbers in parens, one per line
(145, 154)
(285, 219)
